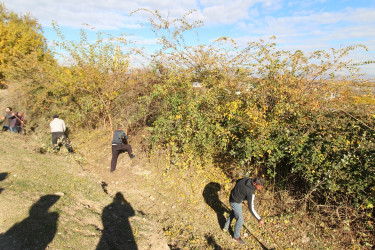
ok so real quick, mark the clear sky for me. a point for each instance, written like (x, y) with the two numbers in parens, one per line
(297, 24)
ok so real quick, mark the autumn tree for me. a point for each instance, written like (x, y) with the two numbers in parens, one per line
(95, 75)
(22, 45)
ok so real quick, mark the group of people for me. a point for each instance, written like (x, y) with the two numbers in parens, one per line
(244, 190)
(12, 121)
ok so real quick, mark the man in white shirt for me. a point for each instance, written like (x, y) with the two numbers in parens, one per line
(58, 129)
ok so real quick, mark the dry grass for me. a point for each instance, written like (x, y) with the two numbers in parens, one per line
(76, 218)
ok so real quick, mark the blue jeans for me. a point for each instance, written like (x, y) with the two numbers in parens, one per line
(235, 213)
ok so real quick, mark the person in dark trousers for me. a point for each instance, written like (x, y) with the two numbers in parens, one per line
(58, 129)
(243, 190)
(7, 119)
(16, 125)
(119, 145)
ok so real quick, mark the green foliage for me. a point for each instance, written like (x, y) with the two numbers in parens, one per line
(283, 114)
(279, 113)
(86, 90)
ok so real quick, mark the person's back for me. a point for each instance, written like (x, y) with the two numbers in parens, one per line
(57, 125)
(118, 146)
(58, 129)
(243, 189)
(118, 137)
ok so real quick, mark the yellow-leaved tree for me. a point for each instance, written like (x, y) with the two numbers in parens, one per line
(95, 75)
(22, 46)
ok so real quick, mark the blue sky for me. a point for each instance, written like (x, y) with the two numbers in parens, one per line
(297, 24)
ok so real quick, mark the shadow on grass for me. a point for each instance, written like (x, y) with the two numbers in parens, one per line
(117, 232)
(3, 176)
(211, 241)
(37, 230)
(210, 195)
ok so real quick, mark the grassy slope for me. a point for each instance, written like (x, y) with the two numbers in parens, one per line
(30, 175)
(187, 204)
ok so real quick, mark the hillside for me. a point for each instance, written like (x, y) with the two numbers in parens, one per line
(60, 201)
(51, 201)
(199, 116)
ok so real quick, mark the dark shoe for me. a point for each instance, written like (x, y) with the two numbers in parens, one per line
(239, 240)
(132, 156)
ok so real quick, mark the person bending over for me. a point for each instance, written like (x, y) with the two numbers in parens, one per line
(58, 129)
(243, 190)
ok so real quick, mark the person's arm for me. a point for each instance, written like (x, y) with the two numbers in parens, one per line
(63, 125)
(124, 135)
(250, 203)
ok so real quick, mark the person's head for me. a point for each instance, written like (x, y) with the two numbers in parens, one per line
(119, 127)
(20, 113)
(8, 109)
(55, 116)
(258, 183)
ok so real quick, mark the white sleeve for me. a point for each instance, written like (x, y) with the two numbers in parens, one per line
(252, 210)
(63, 125)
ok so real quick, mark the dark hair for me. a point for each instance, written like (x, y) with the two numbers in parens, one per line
(55, 116)
(10, 108)
(259, 181)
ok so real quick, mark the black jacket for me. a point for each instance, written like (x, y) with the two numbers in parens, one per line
(244, 190)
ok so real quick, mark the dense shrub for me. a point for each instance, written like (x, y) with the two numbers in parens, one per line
(283, 114)
(280, 113)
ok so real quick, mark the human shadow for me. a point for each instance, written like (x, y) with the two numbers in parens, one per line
(212, 242)
(211, 196)
(3, 176)
(117, 232)
(37, 230)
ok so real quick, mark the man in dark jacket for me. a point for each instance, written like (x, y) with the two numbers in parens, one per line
(243, 190)
(119, 145)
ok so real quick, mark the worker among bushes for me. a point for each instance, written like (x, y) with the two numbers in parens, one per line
(119, 145)
(58, 130)
(243, 190)
(16, 124)
(7, 119)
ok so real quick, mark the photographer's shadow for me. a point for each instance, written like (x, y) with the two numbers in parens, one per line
(117, 232)
(211, 196)
(37, 230)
